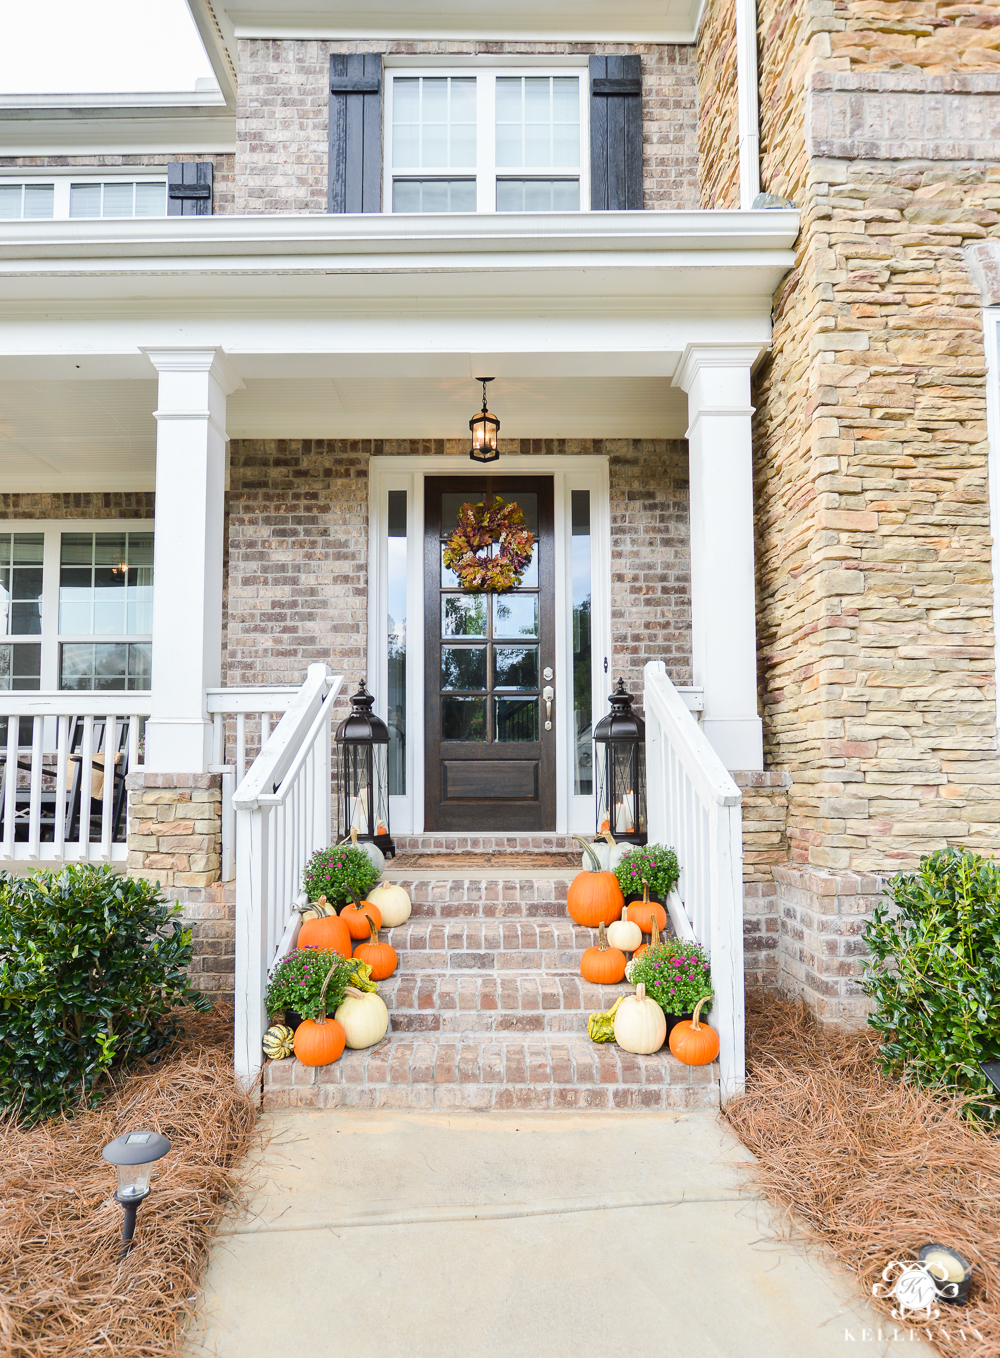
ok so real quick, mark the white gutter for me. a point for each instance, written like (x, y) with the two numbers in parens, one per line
(746, 87)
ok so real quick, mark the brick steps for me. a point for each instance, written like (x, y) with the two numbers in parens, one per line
(487, 1009)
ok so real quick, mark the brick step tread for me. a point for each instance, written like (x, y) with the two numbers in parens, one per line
(502, 935)
(482, 1071)
(518, 1002)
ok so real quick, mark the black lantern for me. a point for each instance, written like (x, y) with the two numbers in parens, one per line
(362, 778)
(134, 1155)
(620, 768)
(485, 429)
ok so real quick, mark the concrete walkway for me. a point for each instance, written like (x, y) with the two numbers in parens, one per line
(546, 1235)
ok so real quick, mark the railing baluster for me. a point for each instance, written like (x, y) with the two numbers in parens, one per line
(10, 787)
(62, 750)
(107, 799)
(86, 776)
(241, 747)
(35, 787)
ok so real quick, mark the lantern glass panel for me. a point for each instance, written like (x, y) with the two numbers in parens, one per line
(620, 768)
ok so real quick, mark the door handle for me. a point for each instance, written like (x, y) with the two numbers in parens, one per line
(548, 693)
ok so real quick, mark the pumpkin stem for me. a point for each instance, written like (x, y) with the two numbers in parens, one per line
(353, 991)
(606, 834)
(354, 835)
(697, 1010)
(640, 991)
(602, 938)
(654, 938)
(322, 994)
(590, 854)
(371, 926)
(645, 892)
(353, 895)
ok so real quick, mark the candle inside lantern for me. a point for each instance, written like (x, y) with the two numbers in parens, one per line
(625, 814)
(945, 1266)
(359, 820)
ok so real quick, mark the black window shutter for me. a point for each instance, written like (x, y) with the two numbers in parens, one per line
(355, 171)
(615, 133)
(189, 188)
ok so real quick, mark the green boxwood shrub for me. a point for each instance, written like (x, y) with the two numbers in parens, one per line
(92, 974)
(934, 971)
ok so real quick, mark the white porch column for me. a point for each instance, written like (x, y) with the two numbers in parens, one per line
(187, 553)
(723, 597)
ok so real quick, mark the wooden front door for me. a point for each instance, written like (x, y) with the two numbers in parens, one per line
(490, 762)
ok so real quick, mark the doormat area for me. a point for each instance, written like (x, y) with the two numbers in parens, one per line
(456, 862)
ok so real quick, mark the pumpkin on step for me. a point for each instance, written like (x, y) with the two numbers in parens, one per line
(694, 1043)
(393, 902)
(329, 932)
(645, 911)
(277, 1042)
(606, 851)
(639, 1024)
(624, 934)
(365, 1018)
(321, 909)
(594, 897)
(318, 1042)
(379, 956)
(356, 915)
(371, 851)
(601, 964)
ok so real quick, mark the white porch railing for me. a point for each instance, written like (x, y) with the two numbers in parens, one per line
(283, 814)
(694, 807)
(60, 801)
(241, 724)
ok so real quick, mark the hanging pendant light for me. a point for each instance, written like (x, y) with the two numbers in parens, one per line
(485, 428)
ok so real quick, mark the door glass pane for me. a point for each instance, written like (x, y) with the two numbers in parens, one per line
(515, 667)
(516, 719)
(396, 624)
(463, 718)
(583, 773)
(463, 615)
(463, 667)
(448, 577)
(515, 615)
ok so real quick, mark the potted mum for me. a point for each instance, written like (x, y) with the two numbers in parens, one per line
(651, 863)
(676, 975)
(339, 873)
(296, 984)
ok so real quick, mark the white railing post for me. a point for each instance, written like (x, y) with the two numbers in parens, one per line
(693, 805)
(252, 869)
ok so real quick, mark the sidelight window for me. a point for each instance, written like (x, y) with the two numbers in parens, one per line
(396, 628)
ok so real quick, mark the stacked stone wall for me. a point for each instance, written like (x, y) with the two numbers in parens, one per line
(223, 195)
(718, 113)
(298, 552)
(873, 541)
(282, 115)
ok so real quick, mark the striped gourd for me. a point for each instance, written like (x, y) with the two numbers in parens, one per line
(278, 1042)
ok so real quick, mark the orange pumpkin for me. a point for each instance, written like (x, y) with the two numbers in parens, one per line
(603, 964)
(330, 932)
(318, 1042)
(355, 916)
(379, 956)
(645, 911)
(694, 1043)
(654, 942)
(594, 897)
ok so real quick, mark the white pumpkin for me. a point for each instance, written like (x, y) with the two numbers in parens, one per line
(371, 851)
(393, 902)
(364, 1017)
(606, 851)
(639, 1024)
(624, 933)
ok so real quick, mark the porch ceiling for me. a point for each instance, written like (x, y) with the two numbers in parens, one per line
(99, 434)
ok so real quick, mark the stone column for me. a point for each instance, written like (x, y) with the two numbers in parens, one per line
(723, 597)
(187, 554)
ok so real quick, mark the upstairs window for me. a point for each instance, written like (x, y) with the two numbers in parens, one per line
(19, 201)
(119, 199)
(488, 141)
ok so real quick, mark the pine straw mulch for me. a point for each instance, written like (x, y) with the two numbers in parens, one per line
(869, 1166)
(63, 1293)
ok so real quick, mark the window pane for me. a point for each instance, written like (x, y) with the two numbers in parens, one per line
(516, 719)
(26, 667)
(538, 195)
(106, 584)
(463, 615)
(583, 774)
(21, 583)
(433, 122)
(84, 200)
(10, 200)
(463, 667)
(151, 200)
(515, 615)
(515, 667)
(463, 718)
(434, 195)
(88, 666)
(396, 622)
(538, 121)
(118, 200)
(139, 664)
(39, 200)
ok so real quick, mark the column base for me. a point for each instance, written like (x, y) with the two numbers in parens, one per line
(738, 741)
(177, 746)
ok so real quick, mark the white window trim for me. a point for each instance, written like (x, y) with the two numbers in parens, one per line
(61, 181)
(49, 637)
(569, 473)
(485, 170)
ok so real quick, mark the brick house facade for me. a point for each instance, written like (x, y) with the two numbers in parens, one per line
(871, 532)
